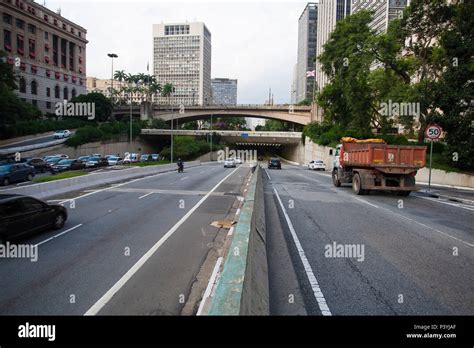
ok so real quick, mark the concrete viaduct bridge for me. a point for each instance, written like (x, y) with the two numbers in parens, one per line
(288, 113)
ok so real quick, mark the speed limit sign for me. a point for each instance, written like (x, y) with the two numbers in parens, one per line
(433, 131)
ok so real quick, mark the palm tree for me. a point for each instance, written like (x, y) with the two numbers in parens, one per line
(120, 75)
(167, 90)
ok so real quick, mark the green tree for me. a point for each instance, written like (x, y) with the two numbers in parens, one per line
(167, 90)
(103, 105)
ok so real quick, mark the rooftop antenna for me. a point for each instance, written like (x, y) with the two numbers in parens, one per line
(58, 11)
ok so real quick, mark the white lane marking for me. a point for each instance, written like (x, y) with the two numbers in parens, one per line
(364, 201)
(269, 177)
(136, 267)
(145, 195)
(318, 294)
(237, 212)
(231, 231)
(117, 185)
(59, 234)
(447, 203)
(186, 177)
(210, 285)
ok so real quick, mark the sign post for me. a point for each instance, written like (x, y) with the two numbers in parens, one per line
(433, 132)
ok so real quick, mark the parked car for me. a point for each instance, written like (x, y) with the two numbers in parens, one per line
(83, 158)
(274, 163)
(67, 164)
(61, 134)
(145, 158)
(16, 172)
(53, 160)
(316, 165)
(155, 157)
(114, 160)
(238, 160)
(22, 215)
(229, 163)
(96, 155)
(39, 164)
(95, 162)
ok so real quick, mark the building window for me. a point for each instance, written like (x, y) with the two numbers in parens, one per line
(22, 85)
(32, 48)
(34, 88)
(56, 92)
(46, 35)
(31, 28)
(48, 92)
(20, 24)
(34, 102)
(45, 17)
(19, 44)
(48, 105)
(7, 18)
(7, 40)
(73, 93)
(66, 93)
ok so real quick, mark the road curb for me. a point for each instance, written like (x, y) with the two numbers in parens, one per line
(53, 188)
(243, 285)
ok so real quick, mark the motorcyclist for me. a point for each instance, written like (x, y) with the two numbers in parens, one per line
(180, 165)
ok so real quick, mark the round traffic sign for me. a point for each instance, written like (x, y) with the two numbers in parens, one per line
(433, 131)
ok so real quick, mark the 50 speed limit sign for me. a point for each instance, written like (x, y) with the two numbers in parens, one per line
(433, 131)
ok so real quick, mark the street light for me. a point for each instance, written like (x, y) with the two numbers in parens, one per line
(112, 55)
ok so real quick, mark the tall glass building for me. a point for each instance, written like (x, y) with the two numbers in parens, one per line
(384, 11)
(307, 33)
(224, 91)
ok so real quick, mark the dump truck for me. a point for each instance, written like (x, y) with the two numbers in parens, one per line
(371, 164)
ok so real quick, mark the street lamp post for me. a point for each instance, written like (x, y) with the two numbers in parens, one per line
(131, 105)
(112, 55)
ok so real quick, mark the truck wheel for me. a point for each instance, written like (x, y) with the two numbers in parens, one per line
(335, 179)
(357, 185)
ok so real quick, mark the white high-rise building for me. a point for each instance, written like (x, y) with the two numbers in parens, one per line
(384, 11)
(182, 56)
(329, 12)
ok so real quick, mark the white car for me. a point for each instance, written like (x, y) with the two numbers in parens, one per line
(316, 165)
(238, 160)
(62, 134)
(114, 160)
(229, 163)
(61, 155)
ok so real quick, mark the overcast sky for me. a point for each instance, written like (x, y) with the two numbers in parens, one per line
(252, 41)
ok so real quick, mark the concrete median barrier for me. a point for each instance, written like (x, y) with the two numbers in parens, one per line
(243, 286)
(57, 187)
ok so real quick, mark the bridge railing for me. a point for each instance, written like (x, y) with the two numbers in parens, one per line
(153, 131)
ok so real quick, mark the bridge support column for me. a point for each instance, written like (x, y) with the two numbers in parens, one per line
(145, 111)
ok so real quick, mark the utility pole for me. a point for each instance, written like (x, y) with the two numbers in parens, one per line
(112, 55)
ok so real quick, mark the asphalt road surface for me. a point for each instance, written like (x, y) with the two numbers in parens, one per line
(34, 141)
(132, 248)
(397, 255)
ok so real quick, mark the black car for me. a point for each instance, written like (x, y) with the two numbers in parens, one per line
(39, 164)
(22, 215)
(16, 172)
(67, 164)
(274, 163)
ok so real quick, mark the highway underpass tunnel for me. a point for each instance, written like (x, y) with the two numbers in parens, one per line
(263, 151)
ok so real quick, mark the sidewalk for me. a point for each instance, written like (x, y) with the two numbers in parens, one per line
(453, 194)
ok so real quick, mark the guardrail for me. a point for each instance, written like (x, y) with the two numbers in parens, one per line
(148, 131)
(243, 286)
(57, 187)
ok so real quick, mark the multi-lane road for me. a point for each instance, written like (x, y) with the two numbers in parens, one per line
(146, 246)
(134, 248)
(393, 256)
